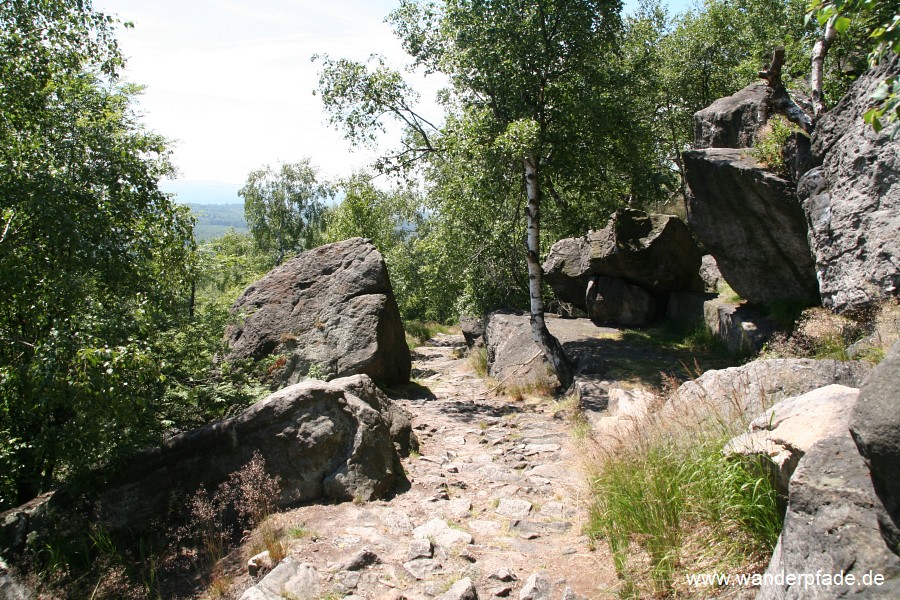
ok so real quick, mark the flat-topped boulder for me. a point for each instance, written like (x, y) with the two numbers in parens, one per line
(329, 312)
(732, 121)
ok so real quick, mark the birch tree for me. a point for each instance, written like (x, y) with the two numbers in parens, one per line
(535, 75)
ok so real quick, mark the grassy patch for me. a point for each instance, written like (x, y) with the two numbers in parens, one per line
(478, 361)
(646, 357)
(419, 332)
(668, 495)
(821, 334)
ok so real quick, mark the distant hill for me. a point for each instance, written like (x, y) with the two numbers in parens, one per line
(214, 220)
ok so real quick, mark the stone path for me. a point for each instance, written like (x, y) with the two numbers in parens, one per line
(496, 507)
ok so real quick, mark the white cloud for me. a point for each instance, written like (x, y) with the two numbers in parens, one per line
(232, 81)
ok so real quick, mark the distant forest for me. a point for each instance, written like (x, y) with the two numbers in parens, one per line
(214, 220)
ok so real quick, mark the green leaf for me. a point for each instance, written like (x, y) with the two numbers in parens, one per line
(841, 24)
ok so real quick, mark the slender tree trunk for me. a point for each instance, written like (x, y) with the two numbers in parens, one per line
(551, 347)
(820, 49)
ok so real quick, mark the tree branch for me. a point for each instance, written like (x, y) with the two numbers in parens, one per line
(779, 98)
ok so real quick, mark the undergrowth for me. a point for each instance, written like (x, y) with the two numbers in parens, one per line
(822, 334)
(669, 502)
(768, 149)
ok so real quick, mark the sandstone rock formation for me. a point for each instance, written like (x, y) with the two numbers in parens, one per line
(788, 430)
(654, 252)
(511, 351)
(852, 201)
(754, 387)
(710, 274)
(875, 426)
(832, 527)
(330, 311)
(732, 121)
(323, 440)
(472, 330)
(751, 221)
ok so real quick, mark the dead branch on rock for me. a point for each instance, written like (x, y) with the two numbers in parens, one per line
(779, 98)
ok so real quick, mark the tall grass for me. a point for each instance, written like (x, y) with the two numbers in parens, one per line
(670, 502)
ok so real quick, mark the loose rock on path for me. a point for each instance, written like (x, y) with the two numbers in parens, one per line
(496, 507)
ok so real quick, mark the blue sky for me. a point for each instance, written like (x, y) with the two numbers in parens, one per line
(231, 81)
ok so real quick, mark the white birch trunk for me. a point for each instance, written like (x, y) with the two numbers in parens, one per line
(551, 347)
(816, 77)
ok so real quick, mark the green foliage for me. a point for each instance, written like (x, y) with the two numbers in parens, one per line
(419, 332)
(284, 208)
(216, 220)
(94, 259)
(879, 23)
(770, 141)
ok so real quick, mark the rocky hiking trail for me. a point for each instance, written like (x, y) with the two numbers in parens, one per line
(496, 506)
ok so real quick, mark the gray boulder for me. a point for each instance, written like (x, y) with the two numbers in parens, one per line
(329, 311)
(463, 589)
(655, 252)
(788, 430)
(290, 579)
(613, 300)
(472, 330)
(742, 328)
(749, 390)
(751, 221)
(731, 122)
(852, 202)
(323, 440)
(710, 274)
(875, 426)
(831, 527)
(512, 355)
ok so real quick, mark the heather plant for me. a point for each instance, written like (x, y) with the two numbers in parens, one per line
(245, 500)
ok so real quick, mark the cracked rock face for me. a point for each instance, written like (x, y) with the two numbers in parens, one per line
(852, 202)
(329, 311)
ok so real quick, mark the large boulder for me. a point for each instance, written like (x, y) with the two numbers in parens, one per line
(322, 439)
(831, 532)
(751, 221)
(472, 330)
(654, 252)
(746, 391)
(330, 311)
(614, 300)
(731, 122)
(512, 356)
(515, 360)
(852, 201)
(875, 426)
